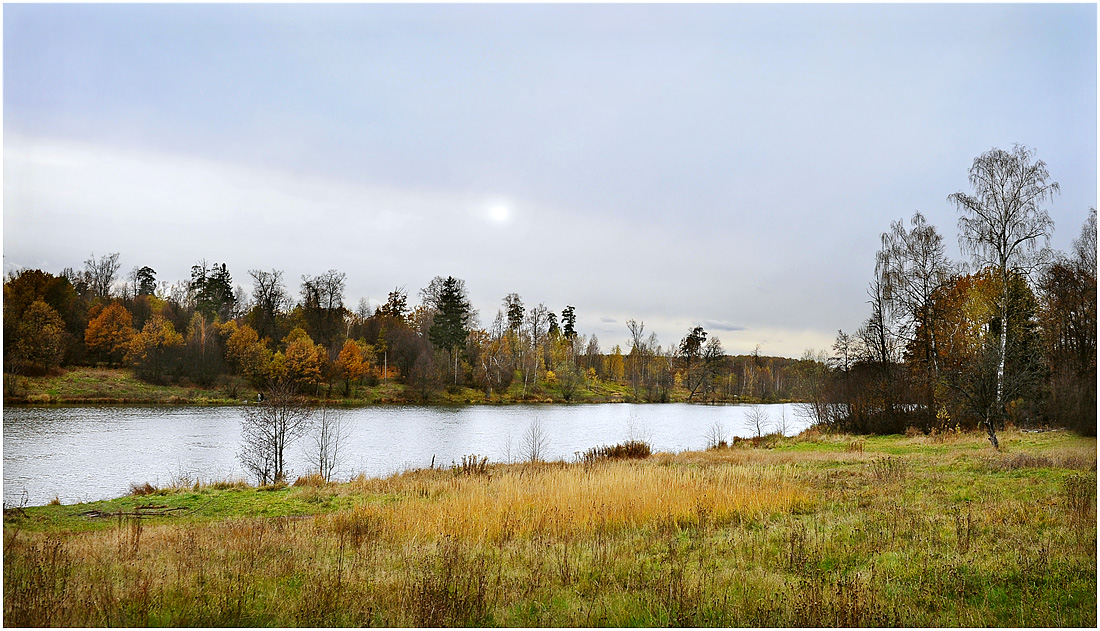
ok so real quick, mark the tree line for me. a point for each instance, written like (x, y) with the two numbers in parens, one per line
(1007, 336)
(210, 331)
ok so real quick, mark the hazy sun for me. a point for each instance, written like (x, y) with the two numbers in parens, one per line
(499, 213)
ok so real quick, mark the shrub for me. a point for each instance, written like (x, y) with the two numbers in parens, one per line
(312, 479)
(142, 489)
(471, 465)
(631, 449)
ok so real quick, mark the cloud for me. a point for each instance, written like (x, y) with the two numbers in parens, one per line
(608, 320)
(722, 325)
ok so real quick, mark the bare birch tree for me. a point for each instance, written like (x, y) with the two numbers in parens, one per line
(1002, 225)
(756, 420)
(914, 269)
(281, 418)
(329, 435)
(534, 442)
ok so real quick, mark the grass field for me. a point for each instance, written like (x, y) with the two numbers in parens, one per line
(811, 531)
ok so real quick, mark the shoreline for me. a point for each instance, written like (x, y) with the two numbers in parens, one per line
(87, 386)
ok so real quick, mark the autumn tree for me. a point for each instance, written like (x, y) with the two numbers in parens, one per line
(637, 351)
(353, 363)
(593, 357)
(514, 313)
(615, 363)
(533, 336)
(246, 354)
(153, 349)
(203, 354)
(969, 331)
(706, 368)
(109, 333)
(39, 339)
(305, 361)
(874, 405)
(23, 288)
(493, 350)
(1002, 225)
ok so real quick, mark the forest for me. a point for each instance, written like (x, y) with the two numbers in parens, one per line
(1006, 337)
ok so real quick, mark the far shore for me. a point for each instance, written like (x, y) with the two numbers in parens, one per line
(118, 386)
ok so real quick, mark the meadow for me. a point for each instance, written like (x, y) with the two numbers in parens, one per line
(815, 530)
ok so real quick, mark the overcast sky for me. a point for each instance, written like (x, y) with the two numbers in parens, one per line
(730, 166)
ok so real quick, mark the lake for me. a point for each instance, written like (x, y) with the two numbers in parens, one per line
(81, 454)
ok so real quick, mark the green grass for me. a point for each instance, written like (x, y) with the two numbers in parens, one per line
(913, 531)
(87, 385)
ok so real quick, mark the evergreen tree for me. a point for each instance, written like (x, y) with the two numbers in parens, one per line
(451, 320)
(212, 289)
(569, 322)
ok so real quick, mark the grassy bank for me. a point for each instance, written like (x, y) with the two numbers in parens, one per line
(85, 385)
(818, 530)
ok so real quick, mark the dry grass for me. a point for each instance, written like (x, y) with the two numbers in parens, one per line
(914, 533)
(573, 501)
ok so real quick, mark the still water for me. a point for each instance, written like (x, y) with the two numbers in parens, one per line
(83, 454)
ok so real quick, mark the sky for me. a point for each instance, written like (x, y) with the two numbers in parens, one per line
(730, 166)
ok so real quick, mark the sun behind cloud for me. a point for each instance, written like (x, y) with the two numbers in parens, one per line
(499, 212)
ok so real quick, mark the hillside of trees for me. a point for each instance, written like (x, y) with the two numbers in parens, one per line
(1008, 336)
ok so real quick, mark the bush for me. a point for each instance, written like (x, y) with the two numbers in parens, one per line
(142, 489)
(631, 449)
(312, 479)
(471, 465)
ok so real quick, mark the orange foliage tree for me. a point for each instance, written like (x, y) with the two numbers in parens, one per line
(109, 333)
(353, 363)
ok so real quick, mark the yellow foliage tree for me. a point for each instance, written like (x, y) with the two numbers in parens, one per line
(109, 333)
(304, 359)
(150, 351)
(617, 367)
(247, 355)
